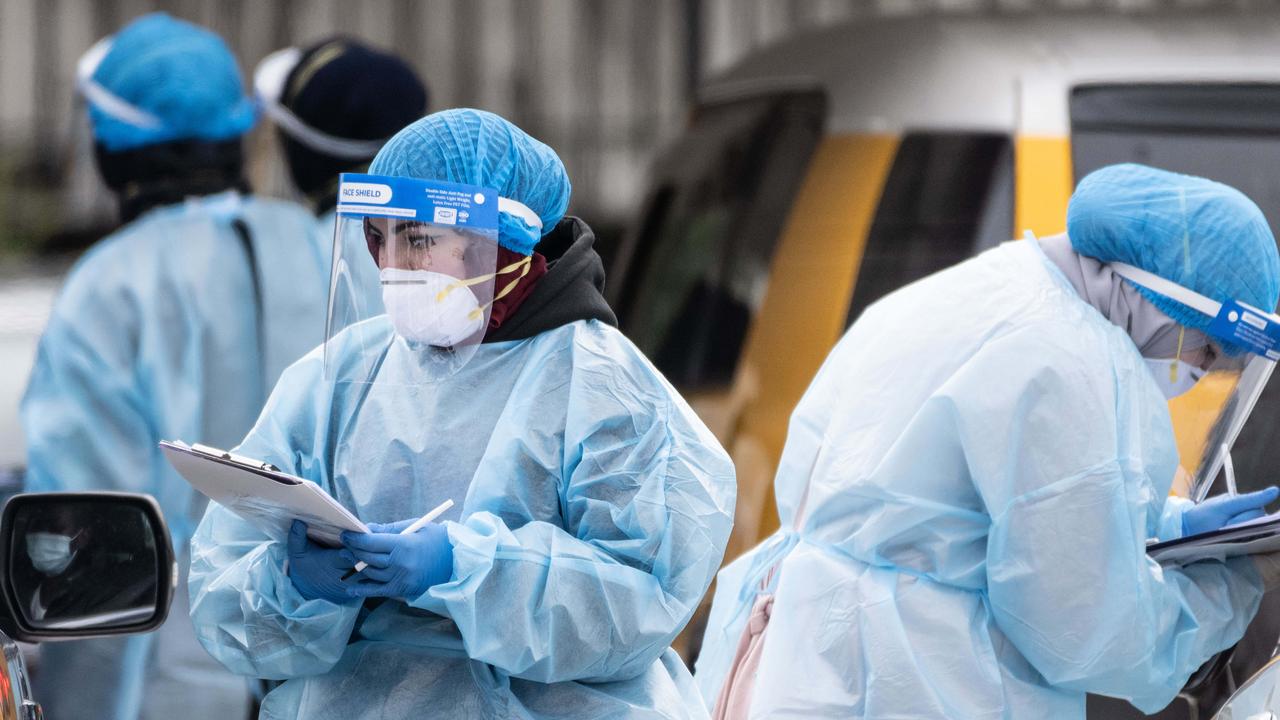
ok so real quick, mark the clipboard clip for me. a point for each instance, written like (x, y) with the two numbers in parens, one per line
(239, 460)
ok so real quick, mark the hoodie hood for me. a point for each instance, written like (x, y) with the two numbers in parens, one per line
(572, 289)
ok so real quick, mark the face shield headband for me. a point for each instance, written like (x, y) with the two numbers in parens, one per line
(268, 85)
(1232, 323)
(105, 100)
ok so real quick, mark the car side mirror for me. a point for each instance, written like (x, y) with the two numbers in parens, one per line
(84, 564)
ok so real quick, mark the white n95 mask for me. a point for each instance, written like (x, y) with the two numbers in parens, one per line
(430, 307)
(50, 553)
(1174, 376)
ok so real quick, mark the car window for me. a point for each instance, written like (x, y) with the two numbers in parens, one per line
(692, 273)
(948, 196)
(1226, 132)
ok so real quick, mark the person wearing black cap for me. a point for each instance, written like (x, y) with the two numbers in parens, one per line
(334, 104)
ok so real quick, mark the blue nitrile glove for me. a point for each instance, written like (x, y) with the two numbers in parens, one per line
(316, 571)
(1221, 510)
(400, 566)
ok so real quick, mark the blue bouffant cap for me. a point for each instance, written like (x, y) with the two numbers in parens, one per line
(479, 148)
(161, 80)
(1203, 235)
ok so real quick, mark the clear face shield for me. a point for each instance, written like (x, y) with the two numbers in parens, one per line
(435, 247)
(1208, 417)
(1258, 698)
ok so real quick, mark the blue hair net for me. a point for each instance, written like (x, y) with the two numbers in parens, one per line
(1200, 234)
(480, 148)
(182, 74)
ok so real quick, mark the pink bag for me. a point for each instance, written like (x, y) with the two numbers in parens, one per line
(740, 684)
(734, 701)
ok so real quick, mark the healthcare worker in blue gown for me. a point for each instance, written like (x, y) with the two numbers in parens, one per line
(594, 506)
(175, 326)
(969, 483)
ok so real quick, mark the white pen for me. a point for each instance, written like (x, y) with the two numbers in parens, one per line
(414, 527)
(1229, 471)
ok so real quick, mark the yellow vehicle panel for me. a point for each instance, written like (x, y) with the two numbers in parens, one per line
(803, 314)
(1042, 168)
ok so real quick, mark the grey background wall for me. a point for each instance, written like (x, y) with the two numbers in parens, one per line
(603, 81)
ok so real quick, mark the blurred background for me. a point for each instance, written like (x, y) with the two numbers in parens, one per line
(758, 171)
(605, 82)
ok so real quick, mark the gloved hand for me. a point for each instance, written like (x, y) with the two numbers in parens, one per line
(1268, 567)
(1221, 510)
(317, 571)
(400, 566)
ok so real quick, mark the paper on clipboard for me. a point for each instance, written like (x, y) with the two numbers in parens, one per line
(1248, 538)
(261, 494)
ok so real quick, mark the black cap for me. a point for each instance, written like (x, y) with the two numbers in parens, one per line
(351, 91)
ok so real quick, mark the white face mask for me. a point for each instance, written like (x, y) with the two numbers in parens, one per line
(429, 307)
(1173, 376)
(49, 552)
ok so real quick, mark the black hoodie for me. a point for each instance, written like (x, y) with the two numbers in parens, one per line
(572, 289)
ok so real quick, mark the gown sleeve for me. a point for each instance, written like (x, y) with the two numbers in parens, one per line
(246, 611)
(646, 496)
(1073, 453)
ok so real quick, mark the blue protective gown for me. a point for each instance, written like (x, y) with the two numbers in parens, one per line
(155, 336)
(986, 456)
(593, 512)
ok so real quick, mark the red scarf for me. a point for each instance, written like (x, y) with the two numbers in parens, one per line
(507, 305)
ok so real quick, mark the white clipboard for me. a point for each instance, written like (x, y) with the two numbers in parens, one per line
(261, 494)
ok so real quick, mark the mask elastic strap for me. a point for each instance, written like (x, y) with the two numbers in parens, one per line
(524, 266)
(524, 270)
(1173, 366)
(483, 278)
(1186, 267)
